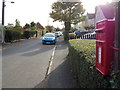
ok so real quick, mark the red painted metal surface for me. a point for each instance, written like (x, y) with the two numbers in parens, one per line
(105, 31)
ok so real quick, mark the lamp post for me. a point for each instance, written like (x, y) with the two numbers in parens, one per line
(3, 11)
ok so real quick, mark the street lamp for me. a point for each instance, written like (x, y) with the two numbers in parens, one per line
(3, 11)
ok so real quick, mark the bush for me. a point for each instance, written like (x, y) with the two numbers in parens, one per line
(11, 35)
(28, 34)
(82, 61)
(32, 33)
(115, 79)
(72, 36)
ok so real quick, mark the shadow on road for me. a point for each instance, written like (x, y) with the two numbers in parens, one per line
(28, 48)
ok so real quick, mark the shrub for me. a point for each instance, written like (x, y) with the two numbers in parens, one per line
(32, 33)
(115, 79)
(11, 35)
(28, 34)
(82, 61)
(72, 35)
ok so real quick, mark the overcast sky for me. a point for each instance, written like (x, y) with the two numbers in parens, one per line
(27, 11)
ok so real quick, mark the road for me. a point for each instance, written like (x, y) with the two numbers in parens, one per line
(24, 64)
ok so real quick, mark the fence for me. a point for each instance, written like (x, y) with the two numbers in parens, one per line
(88, 36)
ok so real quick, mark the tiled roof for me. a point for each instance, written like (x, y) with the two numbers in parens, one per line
(39, 26)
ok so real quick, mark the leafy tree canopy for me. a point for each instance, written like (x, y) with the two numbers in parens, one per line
(67, 12)
(27, 26)
(17, 23)
(49, 28)
(33, 26)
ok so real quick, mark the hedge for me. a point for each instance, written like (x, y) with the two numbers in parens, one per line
(115, 79)
(11, 35)
(72, 36)
(82, 61)
(28, 34)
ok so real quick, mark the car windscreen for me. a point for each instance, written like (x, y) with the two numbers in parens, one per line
(49, 35)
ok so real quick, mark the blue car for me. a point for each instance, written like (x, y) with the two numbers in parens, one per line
(49, 38)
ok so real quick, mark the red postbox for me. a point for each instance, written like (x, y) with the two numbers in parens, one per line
(105, 29)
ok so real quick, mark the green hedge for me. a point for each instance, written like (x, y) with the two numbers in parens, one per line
(28, 34)
(115, 79)
(72, 36)
(82, 61)
(11, 35)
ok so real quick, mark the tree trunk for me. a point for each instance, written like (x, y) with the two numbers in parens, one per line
(67, 29)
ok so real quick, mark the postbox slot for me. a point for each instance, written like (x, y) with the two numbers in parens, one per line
(100, 41)
(100, 29)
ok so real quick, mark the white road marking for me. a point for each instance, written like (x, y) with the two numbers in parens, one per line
(50, 62)
(31, 51)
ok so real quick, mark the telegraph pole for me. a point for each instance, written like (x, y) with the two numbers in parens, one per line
(117, 37)
(3, 11)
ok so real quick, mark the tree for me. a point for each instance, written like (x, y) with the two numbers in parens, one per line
(67, 12)
(33, 25)
(89, 27)
(58, 29)
(27, 26)
(17, 23)
(49, 28)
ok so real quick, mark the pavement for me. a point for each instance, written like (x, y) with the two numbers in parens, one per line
(0, 68)
(60, 75)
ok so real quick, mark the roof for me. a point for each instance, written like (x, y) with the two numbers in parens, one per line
(39, 26)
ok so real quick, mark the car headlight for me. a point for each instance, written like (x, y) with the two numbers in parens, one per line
(53, 38)
(43, 38)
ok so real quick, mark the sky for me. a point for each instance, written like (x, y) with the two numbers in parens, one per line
(27, 11)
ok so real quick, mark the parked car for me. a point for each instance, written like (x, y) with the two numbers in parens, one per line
(79, 33)
(49, 38)
(57, 34)
(60, 32)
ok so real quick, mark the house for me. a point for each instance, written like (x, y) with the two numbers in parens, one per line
(90, 20)
(90, 17)
(39, 26)
(80, 25)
